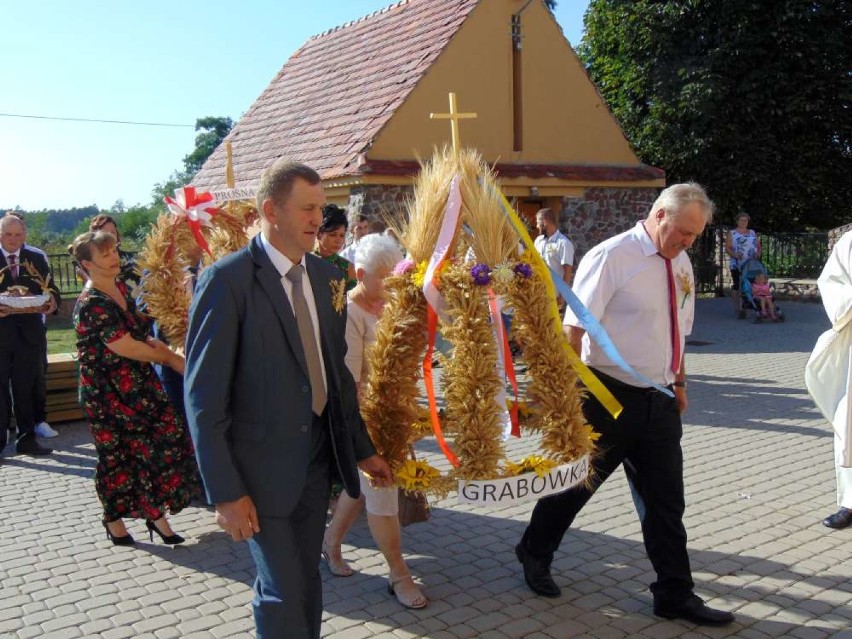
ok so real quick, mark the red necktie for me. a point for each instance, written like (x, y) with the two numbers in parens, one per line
(13, 267)
(673, 323)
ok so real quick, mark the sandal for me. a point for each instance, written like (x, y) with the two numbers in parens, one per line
(410, 597)
(337, 567)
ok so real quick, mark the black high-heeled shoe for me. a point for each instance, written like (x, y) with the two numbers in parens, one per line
(124, 540)
(172, 540)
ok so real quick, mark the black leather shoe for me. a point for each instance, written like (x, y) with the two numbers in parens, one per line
(841, 519)
(537, 574)
(29, 446)
(696, 611)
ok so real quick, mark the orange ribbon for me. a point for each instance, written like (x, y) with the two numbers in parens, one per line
(432, 322)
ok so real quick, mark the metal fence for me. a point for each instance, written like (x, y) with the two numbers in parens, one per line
(707, 261)
(65, 275)
(796, 255)
(799, 255)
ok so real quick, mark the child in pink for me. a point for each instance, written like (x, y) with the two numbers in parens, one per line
(760, 291)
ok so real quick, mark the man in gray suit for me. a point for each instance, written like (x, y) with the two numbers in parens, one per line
(272, 407)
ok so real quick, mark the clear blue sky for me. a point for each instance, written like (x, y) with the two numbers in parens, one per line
(152, 61)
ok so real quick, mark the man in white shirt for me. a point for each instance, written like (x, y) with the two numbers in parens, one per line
(359, 230)
(828, 375)
(555, 248)
(639, 285)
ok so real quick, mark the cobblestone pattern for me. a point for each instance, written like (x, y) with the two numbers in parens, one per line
(759, 478)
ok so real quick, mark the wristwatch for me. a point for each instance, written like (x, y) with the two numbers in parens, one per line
(680, 384)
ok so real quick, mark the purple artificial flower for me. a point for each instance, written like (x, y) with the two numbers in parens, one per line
(403, 266)
(481, 274)
(523, 269)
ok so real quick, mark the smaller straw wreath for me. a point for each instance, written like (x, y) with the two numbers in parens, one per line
(164, 262)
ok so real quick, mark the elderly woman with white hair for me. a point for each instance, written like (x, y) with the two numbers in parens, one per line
(375, 257)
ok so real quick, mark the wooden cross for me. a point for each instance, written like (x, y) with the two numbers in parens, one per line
(453, 116)
(229, 166)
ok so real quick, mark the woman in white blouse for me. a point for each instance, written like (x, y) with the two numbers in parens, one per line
(375, 257)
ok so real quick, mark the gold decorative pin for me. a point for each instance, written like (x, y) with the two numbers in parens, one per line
(685, 286)
(338, 295)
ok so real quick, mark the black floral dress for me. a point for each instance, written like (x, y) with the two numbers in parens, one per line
(146, 464)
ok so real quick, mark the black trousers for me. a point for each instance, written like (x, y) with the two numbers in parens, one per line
(646, 439)
(20, 363)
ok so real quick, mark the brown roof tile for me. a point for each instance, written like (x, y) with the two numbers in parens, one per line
(334, 94)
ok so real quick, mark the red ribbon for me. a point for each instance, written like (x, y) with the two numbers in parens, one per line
(196, 208)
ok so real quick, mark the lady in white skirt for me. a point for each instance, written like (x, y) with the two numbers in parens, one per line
(375, 257)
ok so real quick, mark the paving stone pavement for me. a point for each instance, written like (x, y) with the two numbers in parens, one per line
(759, 478)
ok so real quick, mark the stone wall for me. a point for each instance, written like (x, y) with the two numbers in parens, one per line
(376, 200)
(603, 212)
(588, 220)
(835, 234)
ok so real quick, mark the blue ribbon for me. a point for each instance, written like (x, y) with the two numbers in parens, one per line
(599, 334)
(589, 321)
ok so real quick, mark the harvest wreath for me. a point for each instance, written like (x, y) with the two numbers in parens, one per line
(437, 288)
(194, 233)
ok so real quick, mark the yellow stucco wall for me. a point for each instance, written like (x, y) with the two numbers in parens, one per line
(564, 119)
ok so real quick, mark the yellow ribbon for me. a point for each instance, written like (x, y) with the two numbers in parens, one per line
(596, 388)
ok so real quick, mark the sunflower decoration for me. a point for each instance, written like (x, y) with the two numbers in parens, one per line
(532, 464)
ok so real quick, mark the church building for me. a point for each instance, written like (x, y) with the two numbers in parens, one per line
(354, 103)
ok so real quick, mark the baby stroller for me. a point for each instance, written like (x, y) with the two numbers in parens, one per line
(748, 271)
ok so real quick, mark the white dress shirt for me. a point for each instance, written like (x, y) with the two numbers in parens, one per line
(283, 264)
(624, 284)
(557, 250)
(348, 252)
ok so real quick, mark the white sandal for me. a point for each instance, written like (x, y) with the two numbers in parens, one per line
(337, 567)
(414, 600)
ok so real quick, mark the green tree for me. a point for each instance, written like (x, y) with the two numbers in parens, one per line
(134, 225)
(213, 131)
(749, 98)
(161, 189)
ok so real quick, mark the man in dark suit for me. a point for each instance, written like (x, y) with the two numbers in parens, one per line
(272, 407)
(22, 336)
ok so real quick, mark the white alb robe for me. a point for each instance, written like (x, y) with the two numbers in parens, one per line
(828, 375)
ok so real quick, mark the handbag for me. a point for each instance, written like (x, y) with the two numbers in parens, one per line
(413, 506)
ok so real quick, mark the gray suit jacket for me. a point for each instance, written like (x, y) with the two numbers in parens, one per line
(247, 390)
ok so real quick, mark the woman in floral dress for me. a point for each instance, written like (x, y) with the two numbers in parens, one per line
(129, 272)
(146, 465)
